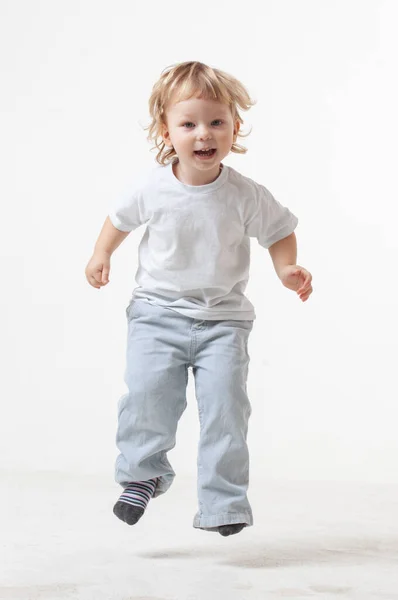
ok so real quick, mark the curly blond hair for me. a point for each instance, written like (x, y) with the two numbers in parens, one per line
(183, 81)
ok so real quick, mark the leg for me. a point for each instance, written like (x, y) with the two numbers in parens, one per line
(156, 376)
(220, 371)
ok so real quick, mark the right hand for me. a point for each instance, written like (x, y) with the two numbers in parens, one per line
(97, 270)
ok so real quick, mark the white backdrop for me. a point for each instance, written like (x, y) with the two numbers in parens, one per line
(76, 78)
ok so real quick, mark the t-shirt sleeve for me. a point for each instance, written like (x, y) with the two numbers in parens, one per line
(128, 211)
(269, 221)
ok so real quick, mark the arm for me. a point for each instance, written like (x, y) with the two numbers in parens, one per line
(97, 270)
(284, 253)
(294, 277)
(109, 238)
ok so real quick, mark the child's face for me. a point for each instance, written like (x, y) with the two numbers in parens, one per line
(197, 124)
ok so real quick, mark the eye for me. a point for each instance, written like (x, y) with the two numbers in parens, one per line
(190, 123)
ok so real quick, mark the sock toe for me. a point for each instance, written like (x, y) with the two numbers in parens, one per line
(231, 529)
(127, 513)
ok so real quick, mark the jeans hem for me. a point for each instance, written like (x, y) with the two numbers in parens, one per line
(212, 522)
(162, 486)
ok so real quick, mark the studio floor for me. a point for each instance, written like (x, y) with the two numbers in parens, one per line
(323, 540)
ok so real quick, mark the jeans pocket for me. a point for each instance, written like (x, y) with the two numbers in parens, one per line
(130, 310)
(121, 404)
(246, 324)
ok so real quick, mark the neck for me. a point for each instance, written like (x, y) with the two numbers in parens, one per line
(198, 178)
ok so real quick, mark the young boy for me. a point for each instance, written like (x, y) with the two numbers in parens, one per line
(189, 308)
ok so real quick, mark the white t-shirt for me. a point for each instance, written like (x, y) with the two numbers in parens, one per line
(194, 256)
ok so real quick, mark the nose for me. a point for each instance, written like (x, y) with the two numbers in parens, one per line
(203, 133)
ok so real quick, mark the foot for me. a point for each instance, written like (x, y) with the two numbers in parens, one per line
(135, 497)
(231, 529)
(128, 513)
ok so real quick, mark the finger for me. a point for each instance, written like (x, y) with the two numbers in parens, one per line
(300, 281)
(94, 282)
(304, 289)
(306, 294)
(307, 289)
(98, 277)
(305, 284)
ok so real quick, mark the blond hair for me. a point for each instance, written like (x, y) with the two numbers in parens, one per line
(183, 81)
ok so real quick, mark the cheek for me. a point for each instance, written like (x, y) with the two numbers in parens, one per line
(224, 138)
(185, 139)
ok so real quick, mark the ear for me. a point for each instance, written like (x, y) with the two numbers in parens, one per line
(236, 129)
(166, 136)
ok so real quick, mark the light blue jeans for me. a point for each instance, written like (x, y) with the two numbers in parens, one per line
(161, 345)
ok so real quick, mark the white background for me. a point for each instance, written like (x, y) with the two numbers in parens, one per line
(76, 78)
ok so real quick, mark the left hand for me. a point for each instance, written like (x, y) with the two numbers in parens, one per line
(298, 279)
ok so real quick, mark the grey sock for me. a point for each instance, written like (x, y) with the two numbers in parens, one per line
(231, 529)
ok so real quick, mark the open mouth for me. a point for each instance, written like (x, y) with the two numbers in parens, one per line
(205, 152)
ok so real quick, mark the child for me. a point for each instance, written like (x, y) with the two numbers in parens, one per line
(190, 308)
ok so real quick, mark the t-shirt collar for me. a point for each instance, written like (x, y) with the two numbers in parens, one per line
(198, 189)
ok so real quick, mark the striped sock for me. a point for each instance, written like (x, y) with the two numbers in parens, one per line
(133, 501)
(138, 493)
